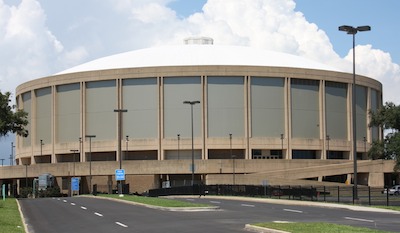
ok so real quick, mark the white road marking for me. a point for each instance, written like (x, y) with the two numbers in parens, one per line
(359, 219)
(64, 200)
(72, 203)
(247, 205)
(98, 214)
(282, 222)
(216, 202)
(58, 199)
(84, 208)
(122, 225)
(294, 211)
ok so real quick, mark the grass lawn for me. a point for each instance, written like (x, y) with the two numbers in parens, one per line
(316, 227)
(10, 218)
(155, 201)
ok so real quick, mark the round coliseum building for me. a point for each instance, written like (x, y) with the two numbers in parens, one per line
(259, 116)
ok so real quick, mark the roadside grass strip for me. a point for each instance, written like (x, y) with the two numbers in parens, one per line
(155, 201)
(10, 218)
(296, 227)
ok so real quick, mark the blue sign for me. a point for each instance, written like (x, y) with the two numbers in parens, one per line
(120, 174)
(75, 183)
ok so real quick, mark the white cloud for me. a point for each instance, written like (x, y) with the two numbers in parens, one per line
(30, 49)
(379, 65)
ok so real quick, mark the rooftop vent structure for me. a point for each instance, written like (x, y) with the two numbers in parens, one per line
(198, 40)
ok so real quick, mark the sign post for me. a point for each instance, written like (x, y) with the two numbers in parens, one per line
(119, 176)
(74, 185)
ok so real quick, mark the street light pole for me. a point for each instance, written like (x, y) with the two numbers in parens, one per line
(353, 31)
(365, 146)
(126, 149)
(2, 160)
(41, 147)
(191, 114)
(327, 151)
(26, 175)
(118, 111)
(179, 138)
(12, 154)
(74, 154)
(80, 148)
(233, 159)
(282, 137)
(90, 160)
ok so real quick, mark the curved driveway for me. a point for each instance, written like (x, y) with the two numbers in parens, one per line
(80, 214)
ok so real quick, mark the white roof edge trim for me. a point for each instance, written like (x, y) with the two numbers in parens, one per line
(198, 55)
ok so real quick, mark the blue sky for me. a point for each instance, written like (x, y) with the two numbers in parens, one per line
(42, 37)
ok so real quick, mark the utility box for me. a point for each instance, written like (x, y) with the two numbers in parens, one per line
(46, 181)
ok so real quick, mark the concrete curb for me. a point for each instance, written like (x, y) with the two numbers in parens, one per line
(22, 217)
(180, 209)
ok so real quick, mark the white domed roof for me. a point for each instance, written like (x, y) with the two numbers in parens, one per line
(198, 55)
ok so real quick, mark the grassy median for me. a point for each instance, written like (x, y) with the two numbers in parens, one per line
(317, 227)
(10, 218)
(155, 201)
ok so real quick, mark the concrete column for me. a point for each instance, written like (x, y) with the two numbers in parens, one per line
(288, 113)
(376, 179)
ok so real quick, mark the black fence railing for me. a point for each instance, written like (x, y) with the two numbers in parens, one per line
(333, 194)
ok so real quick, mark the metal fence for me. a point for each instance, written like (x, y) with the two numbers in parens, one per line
(333, 194)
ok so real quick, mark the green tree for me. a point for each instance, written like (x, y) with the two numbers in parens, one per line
(12, 120)
(388, 118)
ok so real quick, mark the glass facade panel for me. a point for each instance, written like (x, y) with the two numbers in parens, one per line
(336, 110)
(140, 98)
(101, 100)
(305, 108)
(225, 106)
(177, 116)
(267, 107)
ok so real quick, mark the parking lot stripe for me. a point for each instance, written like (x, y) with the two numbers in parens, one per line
(294, 211)
(247, 205)
(98, 214)
(359, 219)
(121, 224)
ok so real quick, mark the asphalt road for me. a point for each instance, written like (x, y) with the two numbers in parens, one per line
(81, 214)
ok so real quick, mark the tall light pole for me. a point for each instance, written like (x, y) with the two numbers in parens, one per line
(73, 173)
(191, 114)
(80, 148)
(26, 175)
(12, 153)
(90, 160)
(365, 145)
(126, 145)
(2, 160)
(119, 111)
(179, 139)
(353, 31)
(233, 159)
(41, 147)
(282, 137)
(327, 151)
(75, 152)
